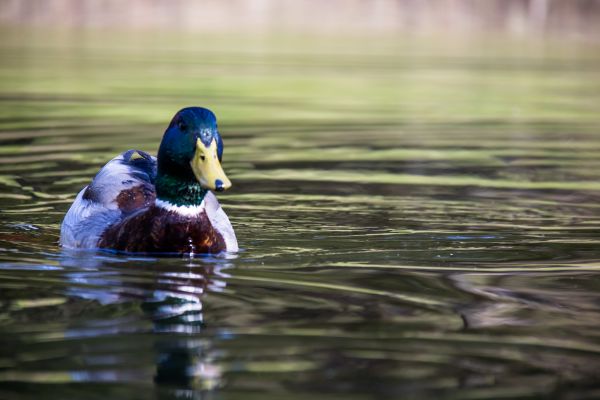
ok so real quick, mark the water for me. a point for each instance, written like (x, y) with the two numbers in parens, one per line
(418, 219)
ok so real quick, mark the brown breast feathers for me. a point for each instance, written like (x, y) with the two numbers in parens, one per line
(156, 230)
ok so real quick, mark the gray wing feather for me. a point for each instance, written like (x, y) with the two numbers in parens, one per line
(95, 207)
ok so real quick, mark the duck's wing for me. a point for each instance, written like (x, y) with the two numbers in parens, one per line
(125, 184)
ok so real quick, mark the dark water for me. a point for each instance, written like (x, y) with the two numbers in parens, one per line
(417, 219)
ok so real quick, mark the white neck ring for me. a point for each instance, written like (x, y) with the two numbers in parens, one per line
(187, 211)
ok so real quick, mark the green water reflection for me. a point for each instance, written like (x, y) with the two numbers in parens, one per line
(418, 219)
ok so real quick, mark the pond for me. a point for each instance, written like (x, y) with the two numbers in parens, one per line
(417, 218)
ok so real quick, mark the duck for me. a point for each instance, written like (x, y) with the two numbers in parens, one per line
(138, 203)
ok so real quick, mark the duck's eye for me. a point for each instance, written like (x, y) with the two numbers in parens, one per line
(182, 126)
(202, 157)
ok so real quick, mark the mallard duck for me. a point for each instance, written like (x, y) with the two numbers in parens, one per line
(164, 204)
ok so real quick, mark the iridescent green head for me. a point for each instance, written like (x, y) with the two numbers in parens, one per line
(189, 158)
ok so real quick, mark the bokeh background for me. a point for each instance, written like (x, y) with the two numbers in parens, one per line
(415, 193)
(575, 18)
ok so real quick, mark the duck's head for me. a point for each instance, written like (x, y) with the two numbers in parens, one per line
(192, 148)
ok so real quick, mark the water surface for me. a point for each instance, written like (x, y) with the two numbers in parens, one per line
(418, 219)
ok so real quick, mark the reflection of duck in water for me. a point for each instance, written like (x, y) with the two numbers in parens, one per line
(138, 203)
(170, 296)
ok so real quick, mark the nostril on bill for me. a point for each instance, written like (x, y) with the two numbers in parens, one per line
(219, 185)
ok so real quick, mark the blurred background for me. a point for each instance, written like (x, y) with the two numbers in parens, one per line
(573, 18)
(415, 193)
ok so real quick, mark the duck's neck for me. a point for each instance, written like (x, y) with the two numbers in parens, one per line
(179, 191)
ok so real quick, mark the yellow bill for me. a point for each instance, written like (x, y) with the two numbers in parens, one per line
(207, 168)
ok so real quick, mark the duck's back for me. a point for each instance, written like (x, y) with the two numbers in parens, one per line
(122, 187)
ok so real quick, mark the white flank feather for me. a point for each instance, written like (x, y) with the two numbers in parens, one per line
(220, 222)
